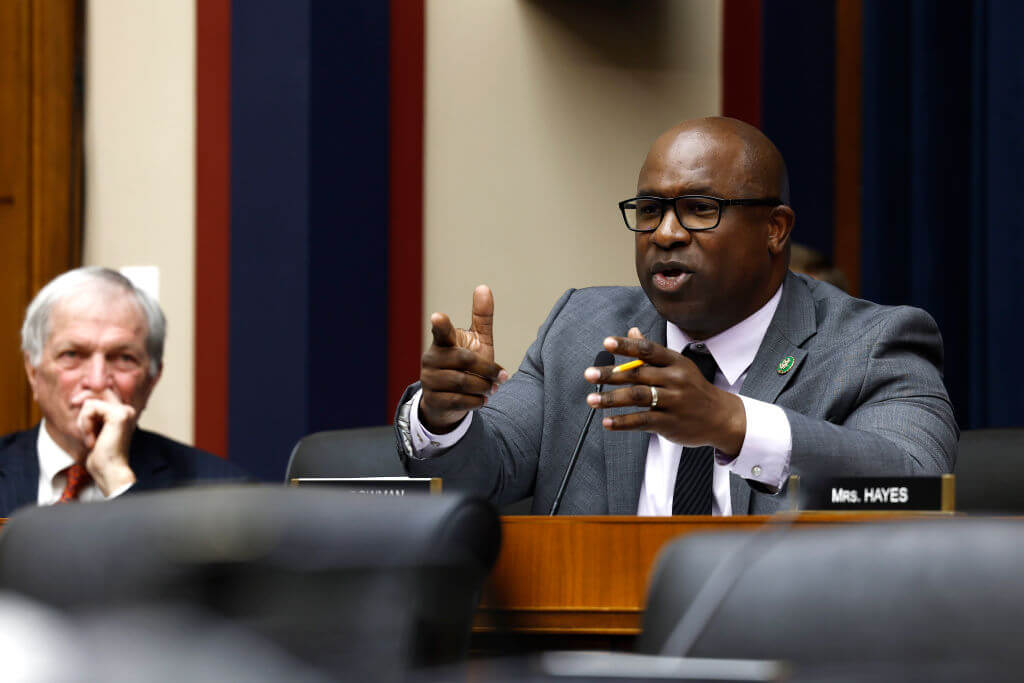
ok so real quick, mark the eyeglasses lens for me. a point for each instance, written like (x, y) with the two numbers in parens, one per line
(695, 213)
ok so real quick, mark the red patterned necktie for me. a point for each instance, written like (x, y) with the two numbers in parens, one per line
(78, 479)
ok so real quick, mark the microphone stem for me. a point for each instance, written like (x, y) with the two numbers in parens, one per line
(573, 458)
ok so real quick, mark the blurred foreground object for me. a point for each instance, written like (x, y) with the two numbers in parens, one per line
(135, 645)
(917, 592)
(352, 585)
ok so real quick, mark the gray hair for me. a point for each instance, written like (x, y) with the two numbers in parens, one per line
(35, 331)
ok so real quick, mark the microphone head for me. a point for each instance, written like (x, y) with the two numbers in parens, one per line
(604, 358)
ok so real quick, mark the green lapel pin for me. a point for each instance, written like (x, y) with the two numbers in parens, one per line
(786, 364)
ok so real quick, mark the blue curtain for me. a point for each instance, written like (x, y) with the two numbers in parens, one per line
(798, 110)
(943, 223)
(309, 246)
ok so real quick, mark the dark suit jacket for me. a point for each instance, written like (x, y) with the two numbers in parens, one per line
(158, 463)
(864, 396)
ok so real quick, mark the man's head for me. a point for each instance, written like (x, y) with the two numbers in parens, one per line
(803, 259)
(90, 333)
(706, 281)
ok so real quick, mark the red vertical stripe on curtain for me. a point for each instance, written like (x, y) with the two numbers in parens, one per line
(741, 60)
(213, 222)
(405, 243)
(849, 34)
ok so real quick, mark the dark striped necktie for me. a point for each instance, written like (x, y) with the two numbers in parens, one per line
(692, 493)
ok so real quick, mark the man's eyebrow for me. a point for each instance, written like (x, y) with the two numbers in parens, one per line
(128, 346)
(701, 189)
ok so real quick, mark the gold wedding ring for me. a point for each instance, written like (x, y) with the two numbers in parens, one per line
(654, 397)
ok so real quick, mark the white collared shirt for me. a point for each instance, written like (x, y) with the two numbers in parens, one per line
(53, 463)
(768, 443)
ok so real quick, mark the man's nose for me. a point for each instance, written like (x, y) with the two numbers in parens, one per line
(670, 231)
(97, 374)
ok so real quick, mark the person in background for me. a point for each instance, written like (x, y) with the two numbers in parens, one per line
(813, 263)
(93, 349)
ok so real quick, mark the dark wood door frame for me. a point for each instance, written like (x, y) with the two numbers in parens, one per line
(40, 171)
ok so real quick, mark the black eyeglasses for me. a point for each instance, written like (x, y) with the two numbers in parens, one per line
(694, 211)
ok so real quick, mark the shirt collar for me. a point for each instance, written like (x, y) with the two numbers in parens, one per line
(735, 348)
(52, 458)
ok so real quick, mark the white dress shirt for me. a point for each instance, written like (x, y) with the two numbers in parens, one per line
(767, 445)
(53, 477)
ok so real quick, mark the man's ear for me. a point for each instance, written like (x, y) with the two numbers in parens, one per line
(780, 225)
(30, 372)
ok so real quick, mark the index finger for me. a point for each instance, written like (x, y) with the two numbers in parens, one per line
(90, 414)
(644, 349)
(442, 329)
(111, 396)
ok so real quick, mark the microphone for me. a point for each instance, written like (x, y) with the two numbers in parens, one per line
(603, 359)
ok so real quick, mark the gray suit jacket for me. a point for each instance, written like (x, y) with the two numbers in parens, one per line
(865, 397)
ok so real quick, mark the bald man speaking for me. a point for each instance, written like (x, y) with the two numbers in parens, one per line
(750, 373)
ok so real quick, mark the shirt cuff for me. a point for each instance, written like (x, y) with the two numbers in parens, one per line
(118, 491)
(426, 444)
(767, 446)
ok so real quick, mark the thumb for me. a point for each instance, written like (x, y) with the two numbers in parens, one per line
(635, 333)
(483, 314)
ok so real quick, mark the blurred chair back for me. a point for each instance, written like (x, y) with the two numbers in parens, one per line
(360, 452)
(364, 586)
(922, 591)
(990, 471)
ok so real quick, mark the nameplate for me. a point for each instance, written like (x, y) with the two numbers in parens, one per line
(375, 486)
(909, 494)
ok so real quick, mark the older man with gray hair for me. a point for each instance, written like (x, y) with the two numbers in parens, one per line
(93, 345)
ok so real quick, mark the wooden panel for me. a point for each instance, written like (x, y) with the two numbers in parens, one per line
(56, 139)
(40, 172)
(15, 206)
(589, 575)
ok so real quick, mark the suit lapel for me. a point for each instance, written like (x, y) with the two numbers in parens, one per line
(792, 324)
(626, 452)
(19, 472)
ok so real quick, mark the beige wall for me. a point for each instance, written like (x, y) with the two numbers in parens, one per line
(139, 170)
(538, 116)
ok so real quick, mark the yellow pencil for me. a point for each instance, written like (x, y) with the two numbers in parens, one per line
(628, 366)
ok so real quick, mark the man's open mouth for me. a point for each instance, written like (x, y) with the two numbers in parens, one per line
(669, 277)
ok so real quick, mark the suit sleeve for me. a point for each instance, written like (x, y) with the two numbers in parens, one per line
(901, 421)
(497, 457)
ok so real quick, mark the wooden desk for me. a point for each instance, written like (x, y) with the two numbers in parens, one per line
(588, 575)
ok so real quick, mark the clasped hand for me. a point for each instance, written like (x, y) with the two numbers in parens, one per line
(689, 410)
(107, 425)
